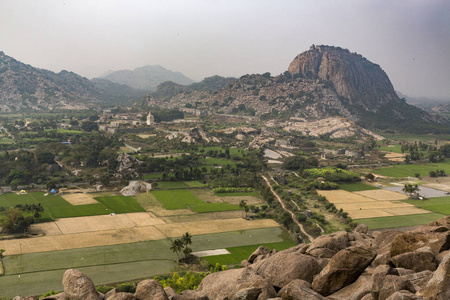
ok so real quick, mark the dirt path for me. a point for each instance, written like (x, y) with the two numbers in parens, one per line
(287, 210)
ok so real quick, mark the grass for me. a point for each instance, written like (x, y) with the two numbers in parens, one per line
(56, 207)
(406, 170)
(438, 205)
(5, 140)
(41, 272)
(176, 199)
(212, 207)
(152, 176)
(356, 187)
(120, 204)
(171, 185)
(254, 194)
(391, 148)
(238, 254)
(195, 184)
(399, 221)
(219, 162)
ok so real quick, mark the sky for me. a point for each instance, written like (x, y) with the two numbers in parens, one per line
(409, 39)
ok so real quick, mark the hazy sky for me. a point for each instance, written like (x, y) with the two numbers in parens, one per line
(409, 39)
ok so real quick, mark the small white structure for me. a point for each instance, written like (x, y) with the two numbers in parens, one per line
(150, 118)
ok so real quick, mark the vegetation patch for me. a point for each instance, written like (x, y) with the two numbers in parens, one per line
(356, 187)
(171, 185)
(400, 221)
(211, 207)
(120, 204)
(410, 170)
(438, 205)
(333, 174)
(176, 199)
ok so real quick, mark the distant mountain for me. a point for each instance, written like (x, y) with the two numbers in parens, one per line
(23, 87)
(147, 78)
(428, 104)
(322, 82)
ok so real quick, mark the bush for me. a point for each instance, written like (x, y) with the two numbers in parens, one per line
(104, 289)
(126, 287)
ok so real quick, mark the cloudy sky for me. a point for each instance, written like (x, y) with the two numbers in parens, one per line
(409, 39)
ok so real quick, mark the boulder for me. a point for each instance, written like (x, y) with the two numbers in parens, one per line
(190, 295)
(343, 269)
(26, 298)
(77, 286)
(135, 187)
(170, 292)
(328, 245)
(403, 295)
(383, 239)
(414, 240)
(122, 296)
(438, 287)
(355, 291)
(260, 251)
(299, 290)
(227, 283)
(282, 268)
(419, 280)
(247, 294)
(60, 296)
(150, 290)
(361, 228)
(419, 260)
(381, 259)
(378, 276)
(392, 284)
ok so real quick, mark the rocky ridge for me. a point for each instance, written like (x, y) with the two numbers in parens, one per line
(386, 265)
(23, 87)
(320, 83)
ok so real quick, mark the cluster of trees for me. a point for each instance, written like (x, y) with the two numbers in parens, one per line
(297, 163)
(19, 218)
(181, 245)
(437, 173)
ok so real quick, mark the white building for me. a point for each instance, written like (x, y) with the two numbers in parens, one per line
(150, 119)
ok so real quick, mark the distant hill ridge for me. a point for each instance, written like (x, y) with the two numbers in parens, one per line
(23, 87)
(147, 77)
(324, 81)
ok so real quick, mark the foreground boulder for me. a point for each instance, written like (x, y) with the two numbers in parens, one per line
(343, 269)
(438, 287)
(77, 286)
(226, 284)
(150, 290)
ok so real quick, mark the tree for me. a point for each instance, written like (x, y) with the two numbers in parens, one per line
(242, 206)
(187, 238)
(105, 179)
(14, 221)
(410, 189)
(176, 246)
(89, 126)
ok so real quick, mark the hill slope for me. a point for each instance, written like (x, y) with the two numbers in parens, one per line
(23, 87)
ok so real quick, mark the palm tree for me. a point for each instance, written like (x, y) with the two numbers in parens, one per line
(186, 238)
(242, 205)
(177, 246)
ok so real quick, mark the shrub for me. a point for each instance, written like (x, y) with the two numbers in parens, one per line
(126, 287)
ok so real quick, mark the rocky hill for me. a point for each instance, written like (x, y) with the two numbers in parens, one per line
(23, 87)
(322, 82)
(384, 265)
(147, 77)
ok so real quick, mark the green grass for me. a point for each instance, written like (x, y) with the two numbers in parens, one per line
(211, 207)
(195, 184)
(120, 204)
(238, 254)
(399, 221)
(171, 185)
(405, 170)
(176, 199)
(41, 272)
(438, 204)
(5, 140)
(356, 187)
(391, 148)
(254, 194)
(152, 176)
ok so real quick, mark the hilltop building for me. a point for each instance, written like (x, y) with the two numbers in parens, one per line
(150, 119)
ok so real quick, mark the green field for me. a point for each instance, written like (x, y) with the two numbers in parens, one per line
(120, 204)
(176, 199)
(41, 272)
(254, 194)
(171, 185)
(195, 184)
(238, 254)
(5, 140)
(152, 176)
(405, 170)
(56, 207)
(391, 148)
(399, 221)
(356, 187)
(438, 205)
(179, 199)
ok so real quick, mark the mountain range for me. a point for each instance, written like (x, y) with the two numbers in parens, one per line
(324, 81)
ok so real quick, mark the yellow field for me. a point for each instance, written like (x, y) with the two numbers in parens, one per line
(392, 156)
(371, 203)
(382, 195)
(79, 199)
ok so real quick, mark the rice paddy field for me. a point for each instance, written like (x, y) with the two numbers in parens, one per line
(41, 272)
(409, 170)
